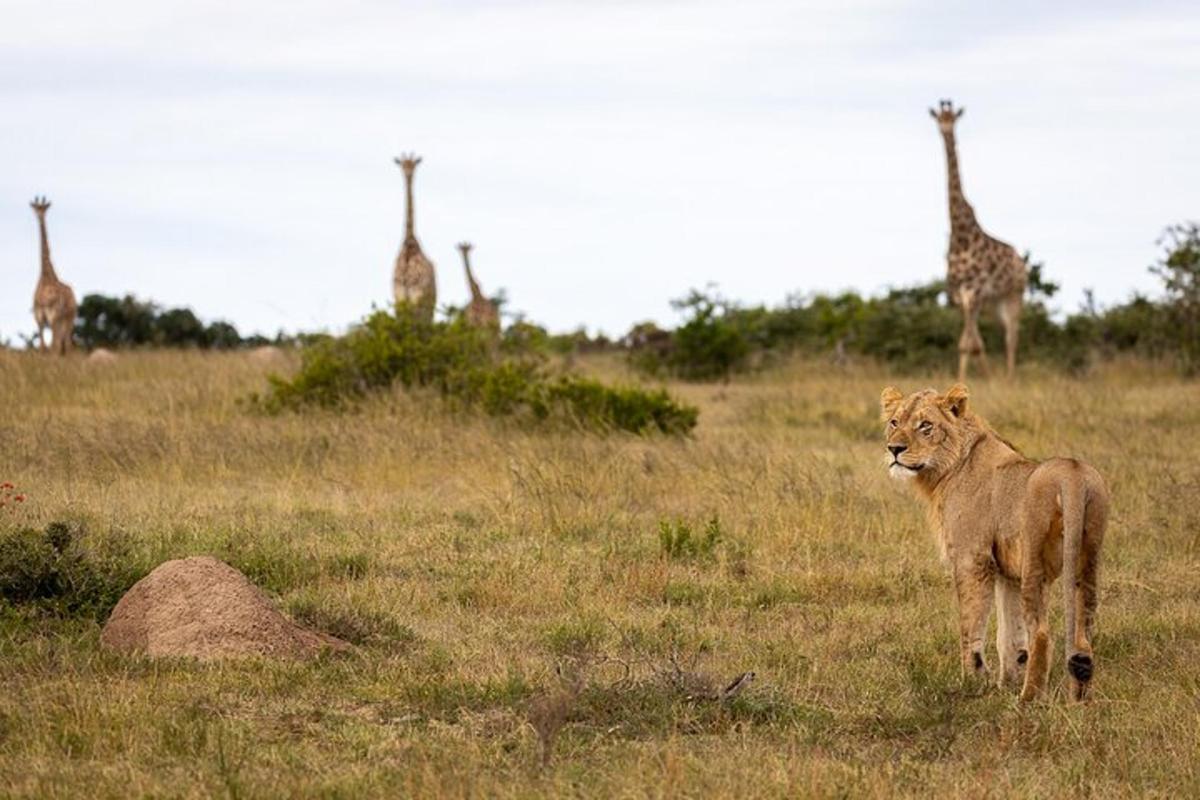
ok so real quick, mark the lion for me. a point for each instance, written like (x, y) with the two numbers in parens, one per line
(1006, 526)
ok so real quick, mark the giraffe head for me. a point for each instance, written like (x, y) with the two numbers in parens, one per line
(946, 115)
(40, 206)
(408, 162)
(465, 247)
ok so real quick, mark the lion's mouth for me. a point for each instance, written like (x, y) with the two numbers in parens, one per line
(911, 469)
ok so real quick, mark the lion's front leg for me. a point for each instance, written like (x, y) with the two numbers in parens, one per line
(973, 582)
(1011, 639)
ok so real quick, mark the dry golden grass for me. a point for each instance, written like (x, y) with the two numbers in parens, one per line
(473, 559)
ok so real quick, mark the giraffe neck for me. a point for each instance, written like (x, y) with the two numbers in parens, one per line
(409, 229)
(47, 266)
(961, 213)
(476, 292)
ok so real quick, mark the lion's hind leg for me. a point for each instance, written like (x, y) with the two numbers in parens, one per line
(1033, 609)
(1011, 639)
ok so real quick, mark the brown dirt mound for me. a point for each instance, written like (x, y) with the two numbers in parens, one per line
(204, 608)
(101, 356)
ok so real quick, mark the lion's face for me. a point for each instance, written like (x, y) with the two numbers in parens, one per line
(923, 431)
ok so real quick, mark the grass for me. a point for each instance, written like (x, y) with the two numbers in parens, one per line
(472, 560)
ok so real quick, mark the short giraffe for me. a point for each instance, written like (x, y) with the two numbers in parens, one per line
(481, 311)
(53, 301)
(981, 270)
(413, 280)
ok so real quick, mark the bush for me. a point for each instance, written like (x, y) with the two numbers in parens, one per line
(711, 344)
(1179, 269)
(460, 363)
(128, 322)
(60, 570)
(916, 328)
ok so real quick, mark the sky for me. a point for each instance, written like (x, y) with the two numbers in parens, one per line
(603, 157)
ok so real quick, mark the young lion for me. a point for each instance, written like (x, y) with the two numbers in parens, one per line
(1004, 524)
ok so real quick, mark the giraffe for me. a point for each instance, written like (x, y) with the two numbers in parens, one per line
(981, 270)
(413, 280)
(53, 301)
(481, 311)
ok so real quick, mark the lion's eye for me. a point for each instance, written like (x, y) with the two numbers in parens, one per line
(925, 427)
(891, 423)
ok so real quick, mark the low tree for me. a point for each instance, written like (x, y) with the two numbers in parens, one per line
(1179, 269)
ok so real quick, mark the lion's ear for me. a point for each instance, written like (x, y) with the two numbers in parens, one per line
(955, 400)
(889, 401)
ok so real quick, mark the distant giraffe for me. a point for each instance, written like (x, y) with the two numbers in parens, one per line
(980, 270)
(53, 301)
(413, 280)
(480, 311)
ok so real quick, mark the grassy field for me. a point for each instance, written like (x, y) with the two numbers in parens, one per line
(473, 561)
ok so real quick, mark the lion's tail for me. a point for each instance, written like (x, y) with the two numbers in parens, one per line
(1074, 497)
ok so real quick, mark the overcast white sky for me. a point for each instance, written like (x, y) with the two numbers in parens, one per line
(603, 156)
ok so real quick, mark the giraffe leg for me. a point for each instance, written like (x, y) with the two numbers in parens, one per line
(1010, 317)
(970, 343)
(68, 335)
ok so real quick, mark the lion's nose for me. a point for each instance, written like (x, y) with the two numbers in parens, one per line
(897, 449)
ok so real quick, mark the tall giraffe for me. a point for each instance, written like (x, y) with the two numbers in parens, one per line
(980, 270)
(480, 311)
(413, 280)
(53, 301)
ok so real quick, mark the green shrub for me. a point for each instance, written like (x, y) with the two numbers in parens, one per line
(710, 344)
(128, 322)
(63, 571)
(460, 363)
(1179, 269)
(915, 328)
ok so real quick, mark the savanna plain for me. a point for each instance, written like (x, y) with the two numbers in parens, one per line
(555, 612)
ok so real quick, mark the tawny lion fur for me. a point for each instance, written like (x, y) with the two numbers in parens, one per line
(1007, 527)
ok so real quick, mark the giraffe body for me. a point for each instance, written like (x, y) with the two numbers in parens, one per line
(413, 279)
(54, 305)
(981, 271)
(481, 311)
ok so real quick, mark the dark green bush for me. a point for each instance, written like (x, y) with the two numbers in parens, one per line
(916, 328)
(128, 322)
(62, 570)
(1179, 269)
(461, 364)
(711, 344)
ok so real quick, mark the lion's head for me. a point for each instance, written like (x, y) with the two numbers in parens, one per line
(925, 431)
